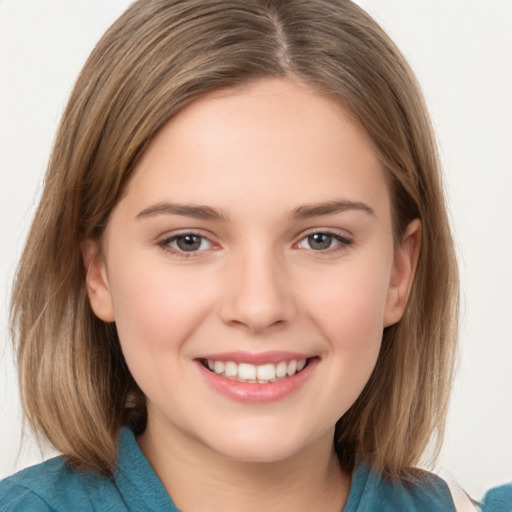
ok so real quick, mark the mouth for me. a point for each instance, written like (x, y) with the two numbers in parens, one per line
(256, 374)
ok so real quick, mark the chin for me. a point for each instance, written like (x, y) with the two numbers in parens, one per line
(270, 455)
(264, 447)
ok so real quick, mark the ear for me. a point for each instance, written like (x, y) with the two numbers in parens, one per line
(405, 261)
(96, 281)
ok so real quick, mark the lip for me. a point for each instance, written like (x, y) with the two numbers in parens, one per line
(273, 357)
(254, 392)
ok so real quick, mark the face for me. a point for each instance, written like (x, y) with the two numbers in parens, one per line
(250, 269)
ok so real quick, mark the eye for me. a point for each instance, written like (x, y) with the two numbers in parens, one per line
(186, 243)
(323, 241)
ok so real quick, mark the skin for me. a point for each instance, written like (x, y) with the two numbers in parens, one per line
(257, 156)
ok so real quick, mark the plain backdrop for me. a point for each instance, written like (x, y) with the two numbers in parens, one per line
(461, 51)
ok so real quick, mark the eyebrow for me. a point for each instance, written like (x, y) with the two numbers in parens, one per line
(330, 208)
(197, 212)
(208, 213)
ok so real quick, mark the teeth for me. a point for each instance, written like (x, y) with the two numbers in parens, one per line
(266, 372)
(281, 370)
(292, 368)
(257, 374)
(247, 371)
(230, 370)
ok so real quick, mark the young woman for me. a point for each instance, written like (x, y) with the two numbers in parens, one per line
(239, 291)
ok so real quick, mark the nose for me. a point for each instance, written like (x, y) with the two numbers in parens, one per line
(259, 295)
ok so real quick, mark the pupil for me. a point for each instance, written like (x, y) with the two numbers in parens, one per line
(320, 241)
(189, 242)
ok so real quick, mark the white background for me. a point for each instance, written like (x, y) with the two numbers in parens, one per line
(461, 51)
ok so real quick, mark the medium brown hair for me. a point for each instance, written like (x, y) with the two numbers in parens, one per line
(158, 57)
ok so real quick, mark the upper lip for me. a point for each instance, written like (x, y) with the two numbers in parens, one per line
(256, 359)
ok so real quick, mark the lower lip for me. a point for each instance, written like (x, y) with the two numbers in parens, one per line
(258, 393)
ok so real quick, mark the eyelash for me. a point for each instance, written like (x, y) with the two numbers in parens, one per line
(342, 241)
(165, 244)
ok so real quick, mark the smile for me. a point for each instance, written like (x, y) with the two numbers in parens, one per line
(257, 378)
(256, 374)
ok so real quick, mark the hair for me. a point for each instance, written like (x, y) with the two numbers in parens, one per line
(158, 57)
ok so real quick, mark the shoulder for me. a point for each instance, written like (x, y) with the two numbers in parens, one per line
(53, 486)
(15, 496)
(425, 493)
(31, 488)
(498, 499)
(57, 487)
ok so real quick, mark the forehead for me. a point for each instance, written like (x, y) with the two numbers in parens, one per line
(274, 141)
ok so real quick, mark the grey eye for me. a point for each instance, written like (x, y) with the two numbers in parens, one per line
(189, 242)
(319, 241)
(324, 241)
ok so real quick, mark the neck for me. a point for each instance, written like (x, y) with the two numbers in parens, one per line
(198, 479)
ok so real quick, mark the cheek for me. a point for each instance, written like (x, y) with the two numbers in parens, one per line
(156, 307)
(348, 310)
(349, 304)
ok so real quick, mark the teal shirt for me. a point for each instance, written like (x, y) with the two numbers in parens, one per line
(498, 499)
(54, 486)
